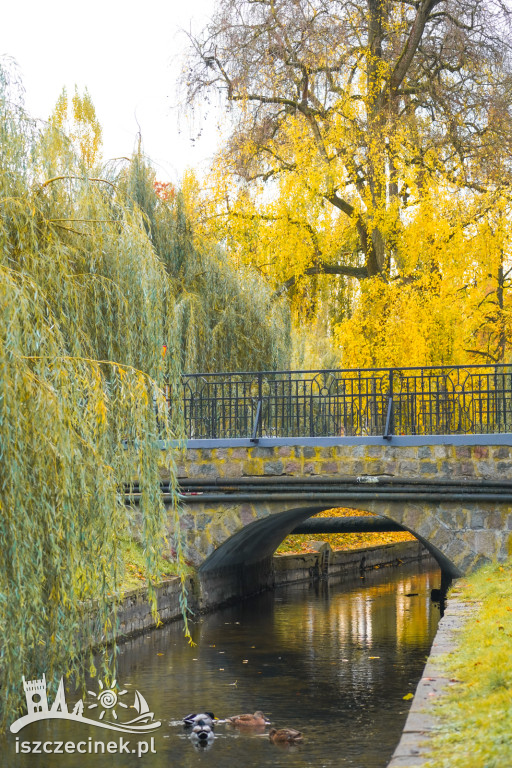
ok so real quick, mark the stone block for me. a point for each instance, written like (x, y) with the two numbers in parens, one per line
(494, 520)
(455, 550)
(260, 452)
(247, 514)
(467, 562)
(442, 451)
(292, 468)
(447, 468)
(285, 451)
(221, 454)
(485, 469)
(410, 468)
(231, 469)
(424, 452)
(480, 451)
(441, 538)
(485, 543)
(351, 451)
(217, 532)
(428, 468)
(239, 453)
(374, 451)
(407, 452)
(505, 549)
(477, 519)
(193, 454)
(327, 452)
(252, 468)
(202, 520)
(203, 470)
(231, 521)
(329, 467)
(504, 467)
(273, 468)
(347, 451)
(307, 451)
(187, 521)
(467, 469)
(502, 452)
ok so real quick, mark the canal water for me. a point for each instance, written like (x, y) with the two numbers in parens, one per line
(331, 660)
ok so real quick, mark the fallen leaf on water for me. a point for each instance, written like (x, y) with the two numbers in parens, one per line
(374, 657)
(408, 696)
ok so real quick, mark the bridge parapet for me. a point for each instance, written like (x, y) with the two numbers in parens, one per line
(428, 400)
(488, 459)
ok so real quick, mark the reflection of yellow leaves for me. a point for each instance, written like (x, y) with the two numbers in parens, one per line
(408, 696)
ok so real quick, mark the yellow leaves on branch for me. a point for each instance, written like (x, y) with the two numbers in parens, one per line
(78, 121)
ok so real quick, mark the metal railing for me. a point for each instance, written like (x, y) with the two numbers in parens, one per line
(442, 400)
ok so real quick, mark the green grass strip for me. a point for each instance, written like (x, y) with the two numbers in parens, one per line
(476, 714)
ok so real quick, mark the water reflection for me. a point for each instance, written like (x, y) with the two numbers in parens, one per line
(331, 661)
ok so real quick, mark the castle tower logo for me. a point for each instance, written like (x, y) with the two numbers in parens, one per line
(107, 703)
(35, 692)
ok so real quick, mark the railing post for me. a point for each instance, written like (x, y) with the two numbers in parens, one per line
(256, 425)
(388, 432)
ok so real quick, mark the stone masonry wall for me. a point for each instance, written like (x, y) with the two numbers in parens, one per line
(423, 461)
(466, 533)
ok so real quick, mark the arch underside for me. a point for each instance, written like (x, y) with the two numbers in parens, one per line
(256, 542)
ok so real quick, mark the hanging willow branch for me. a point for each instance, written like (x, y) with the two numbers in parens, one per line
(82, 405)
(83, 380)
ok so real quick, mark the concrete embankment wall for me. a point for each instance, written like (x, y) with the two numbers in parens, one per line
(421, 724)
(134, 612)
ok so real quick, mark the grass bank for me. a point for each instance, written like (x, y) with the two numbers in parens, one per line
(475, 714)
(133, 560)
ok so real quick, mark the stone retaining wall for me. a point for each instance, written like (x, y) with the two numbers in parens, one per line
(134, 612)
(414, 749)
(289, 568)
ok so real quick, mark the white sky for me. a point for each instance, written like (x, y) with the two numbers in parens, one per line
(127, 54)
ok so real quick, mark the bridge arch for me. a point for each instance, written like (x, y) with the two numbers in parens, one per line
(256, 542)
(241, 538)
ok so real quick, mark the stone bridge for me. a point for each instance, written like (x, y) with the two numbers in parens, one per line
(241, 499)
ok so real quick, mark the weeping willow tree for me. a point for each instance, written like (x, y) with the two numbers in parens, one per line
(97, 275)
(85, 304)
(225, 318)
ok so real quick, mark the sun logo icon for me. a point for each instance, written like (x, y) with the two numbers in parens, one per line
(108, 698)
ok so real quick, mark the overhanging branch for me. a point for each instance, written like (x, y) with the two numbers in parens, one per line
(323, 269)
